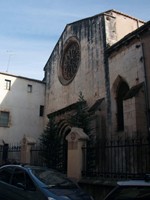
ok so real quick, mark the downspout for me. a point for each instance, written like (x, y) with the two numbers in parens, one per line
(107, 79)
(146, 88)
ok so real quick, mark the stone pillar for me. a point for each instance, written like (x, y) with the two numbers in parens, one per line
(26, 144)
(76, 140)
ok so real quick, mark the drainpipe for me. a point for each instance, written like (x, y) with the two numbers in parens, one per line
(146, 88)
(107, 81)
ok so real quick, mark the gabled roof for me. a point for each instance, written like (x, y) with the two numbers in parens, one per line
(108, 12)
(133, 91)
(66, 109)
(21, 77)
(96, 105)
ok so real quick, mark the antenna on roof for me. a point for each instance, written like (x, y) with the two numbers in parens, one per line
(10, 54)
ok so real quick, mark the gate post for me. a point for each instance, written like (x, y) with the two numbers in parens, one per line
(5, 152)
(76, 140)
(26, 144)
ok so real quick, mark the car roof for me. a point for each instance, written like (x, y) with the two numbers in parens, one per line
(10, 165)
(134, 183)
(27, 166)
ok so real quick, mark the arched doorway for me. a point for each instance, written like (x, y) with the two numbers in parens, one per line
(63, 130)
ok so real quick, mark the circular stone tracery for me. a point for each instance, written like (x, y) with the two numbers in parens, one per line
(70, 62)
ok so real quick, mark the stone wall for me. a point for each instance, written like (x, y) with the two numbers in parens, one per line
(125, 65)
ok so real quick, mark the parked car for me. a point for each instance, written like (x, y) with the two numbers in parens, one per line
(37, 183)
(131, 190)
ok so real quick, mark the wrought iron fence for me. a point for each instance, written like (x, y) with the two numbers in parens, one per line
(14, 153)
(36, 156)
(53, 158)
(10, 153)
(117, 158)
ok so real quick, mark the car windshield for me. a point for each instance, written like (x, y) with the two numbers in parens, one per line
(53, 179)
(130, 193)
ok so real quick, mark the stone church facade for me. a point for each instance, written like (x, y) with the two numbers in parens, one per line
(129, 66)
(90, 58)
(106, 58)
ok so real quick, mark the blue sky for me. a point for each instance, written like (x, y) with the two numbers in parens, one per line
(29, 29)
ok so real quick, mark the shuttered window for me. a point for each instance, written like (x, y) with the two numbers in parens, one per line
(7, 84)
(4, 119)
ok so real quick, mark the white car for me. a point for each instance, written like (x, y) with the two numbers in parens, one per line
(130, 190)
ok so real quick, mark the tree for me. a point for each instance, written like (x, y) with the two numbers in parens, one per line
(82, 118)
(50, 142)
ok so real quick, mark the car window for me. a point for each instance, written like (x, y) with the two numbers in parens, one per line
(53, 179)
(22, 179)
(29, 183)
(131, 193)
(18, 177)
(6, 174)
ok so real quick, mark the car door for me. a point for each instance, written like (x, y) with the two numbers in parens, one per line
(22, 187)
(5, 178)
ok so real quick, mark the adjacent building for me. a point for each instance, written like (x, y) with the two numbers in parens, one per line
(22, 102)
(129, 64)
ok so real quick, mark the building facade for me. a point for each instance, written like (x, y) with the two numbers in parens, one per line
(22, 103)
(106, 58)
(81, 62)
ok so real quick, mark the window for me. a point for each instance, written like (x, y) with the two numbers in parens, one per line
(70, 61)
(4, 119)
(18, 177)
(5, 174)
(140, 192)
(29, 88)
(41, 111)
(21, 178)
(7, 84)
(122, 90)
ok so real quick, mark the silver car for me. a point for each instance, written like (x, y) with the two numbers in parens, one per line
(130, 190)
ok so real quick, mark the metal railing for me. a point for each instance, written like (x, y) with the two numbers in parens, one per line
(10, 153)
(128, 158)
(14, 153)
(53, 158)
